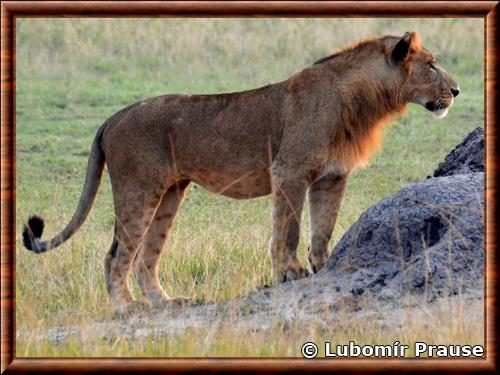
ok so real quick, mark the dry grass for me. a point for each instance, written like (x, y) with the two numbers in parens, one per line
(447, 322)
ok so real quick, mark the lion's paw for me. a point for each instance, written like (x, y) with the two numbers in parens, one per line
(291, 274)
(173, 303)
(132, 308)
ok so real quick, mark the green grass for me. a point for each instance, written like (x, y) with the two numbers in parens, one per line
(74, 73)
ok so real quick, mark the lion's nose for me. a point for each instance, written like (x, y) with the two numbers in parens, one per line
(455, 91)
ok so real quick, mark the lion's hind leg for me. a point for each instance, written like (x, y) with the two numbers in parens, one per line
(146, 263)
(135, 207)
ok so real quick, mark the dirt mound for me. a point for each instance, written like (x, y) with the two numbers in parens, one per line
(427, 238)
(467, 157)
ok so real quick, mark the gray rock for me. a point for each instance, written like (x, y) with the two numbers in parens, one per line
(426, 239)
(467, 157)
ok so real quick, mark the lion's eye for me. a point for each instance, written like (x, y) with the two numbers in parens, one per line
(433, 66)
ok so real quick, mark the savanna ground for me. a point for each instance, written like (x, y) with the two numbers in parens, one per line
(73, 73)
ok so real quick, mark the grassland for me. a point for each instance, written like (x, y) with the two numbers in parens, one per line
(71, 74)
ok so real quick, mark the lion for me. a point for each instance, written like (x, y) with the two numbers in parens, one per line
(296, 138)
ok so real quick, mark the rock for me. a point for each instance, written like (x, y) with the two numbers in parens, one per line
(425, 239)
(467, 157)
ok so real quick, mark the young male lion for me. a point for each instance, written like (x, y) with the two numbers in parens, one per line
(302, 135)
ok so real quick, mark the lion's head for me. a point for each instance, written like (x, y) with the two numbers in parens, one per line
(425, 82)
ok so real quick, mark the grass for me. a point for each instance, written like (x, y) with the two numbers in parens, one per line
(460, 322)
(74, 73)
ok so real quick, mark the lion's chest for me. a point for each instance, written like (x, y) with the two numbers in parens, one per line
(349, 150)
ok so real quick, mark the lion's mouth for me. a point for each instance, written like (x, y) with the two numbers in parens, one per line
(439, 108)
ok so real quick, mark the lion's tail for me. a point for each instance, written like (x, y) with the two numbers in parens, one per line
(34, 227)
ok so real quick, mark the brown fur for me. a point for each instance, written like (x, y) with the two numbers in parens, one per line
(301, 136)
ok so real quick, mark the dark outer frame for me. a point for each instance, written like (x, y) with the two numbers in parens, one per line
(10, 10)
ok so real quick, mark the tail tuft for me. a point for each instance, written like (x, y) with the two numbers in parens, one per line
(32, 232)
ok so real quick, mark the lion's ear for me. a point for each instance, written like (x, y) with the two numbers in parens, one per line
(407, 46)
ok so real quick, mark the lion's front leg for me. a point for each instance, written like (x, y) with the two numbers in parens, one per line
(325, 199)
(288, 200)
